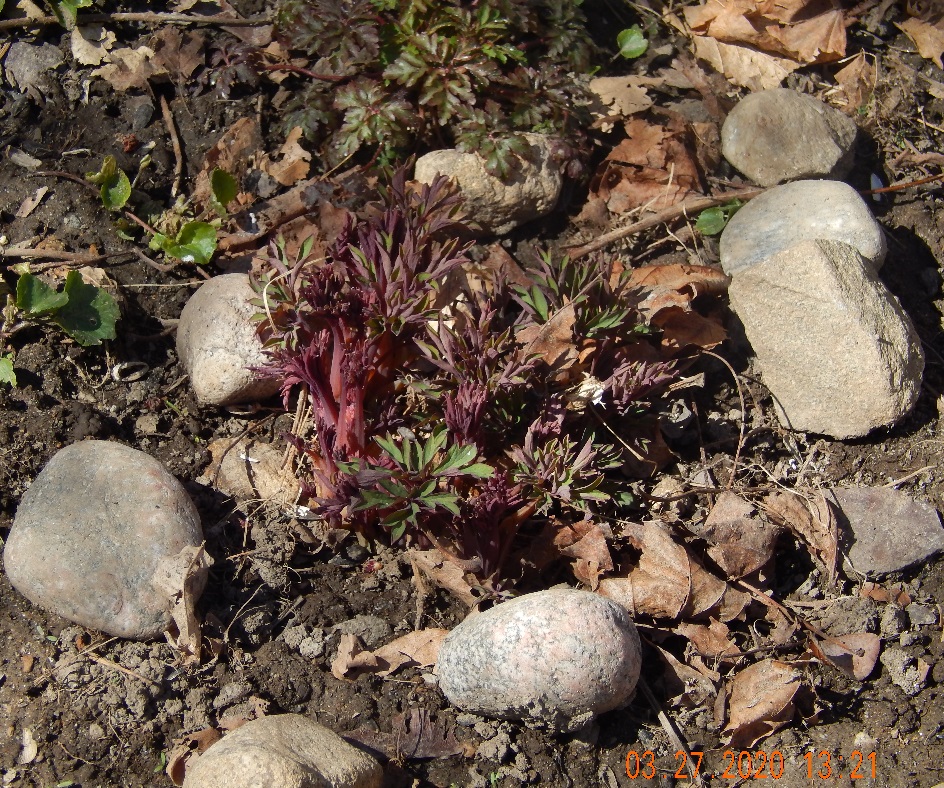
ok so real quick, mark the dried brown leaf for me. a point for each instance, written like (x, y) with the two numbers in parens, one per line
(182, 579)
(419, 648)
(710, 640)
(857, 80)
(31, 202)
(188, 749)
(586, 542)
(413, 735)
(352, 659)
(176, 53)
(743, 65)
(444, 573)
(762, 700)
(250, 469)
(854, 654)
(553, 341)
(620, 97)
(661, 584)
(290, 164)
(232, 153)
(682, 328)
(928, 38)
(685, 685)
(812, 521)
(740, 541)
(90, 44)
(128, 68)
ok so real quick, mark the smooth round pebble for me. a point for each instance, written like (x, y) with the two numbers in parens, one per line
(553, 659)
(93, 533)
(781, 135)
(785, 215)
(287, 751)
(218, 345)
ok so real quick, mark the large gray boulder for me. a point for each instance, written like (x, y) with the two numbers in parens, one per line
(835, 348)
(95, 535)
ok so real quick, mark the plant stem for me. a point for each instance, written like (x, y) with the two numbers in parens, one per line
(147, 17)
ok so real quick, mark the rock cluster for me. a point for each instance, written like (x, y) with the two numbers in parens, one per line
(834, 346)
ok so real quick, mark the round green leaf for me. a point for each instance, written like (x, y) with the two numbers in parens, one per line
(195, 243)
(224, 188)
(711, 221)
(631, 42)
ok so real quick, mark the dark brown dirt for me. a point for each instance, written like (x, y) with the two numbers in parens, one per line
(110, 715)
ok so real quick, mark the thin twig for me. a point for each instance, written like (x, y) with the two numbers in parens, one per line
(674, 734)
(107, 663)
(175, 142)
(58, 257)
(682, 209)
(147, 17)
(737, 382)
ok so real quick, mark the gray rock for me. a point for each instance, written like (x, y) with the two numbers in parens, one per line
(499, 206)
(894, 621)
(921, 615)
(801, 211)
(372, 630)
(904, 670)
(553, 659)
(284, 750)
(835, 347)
(217, 343)
(781, 135)
(885, 530)
(94, 533)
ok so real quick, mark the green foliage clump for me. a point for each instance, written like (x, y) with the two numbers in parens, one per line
(387, 77)
(86, 313)
(450, 421)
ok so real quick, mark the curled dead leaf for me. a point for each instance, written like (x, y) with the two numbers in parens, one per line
(553, 341)
(740, 541)
(813, 521)
(854, 654)
(762, 699)
(187, 749)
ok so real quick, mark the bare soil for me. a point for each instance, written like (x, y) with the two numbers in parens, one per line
(103, 712)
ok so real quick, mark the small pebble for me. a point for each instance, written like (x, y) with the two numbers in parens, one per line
(554, 659)
(921, 615)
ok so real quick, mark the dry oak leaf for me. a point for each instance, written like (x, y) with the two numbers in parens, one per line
(812, 521)
(857, 80)
(128, 68)
(351, 658)
(90, 44)
(928, 38)
(807, 31)
(290, 164)
(420, 648)
(652, 168)
(620, 97)
(178, 54)
(740, 541)
(446, 574)
(711, 640)
(667, 582)
(743, 65)
(553, 341)
(684, 684)
(413, 735)
(762, 700)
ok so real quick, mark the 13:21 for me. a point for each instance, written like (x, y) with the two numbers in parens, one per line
(828, 769)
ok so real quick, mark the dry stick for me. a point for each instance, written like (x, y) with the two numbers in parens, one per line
(57, 257)
(682, 209)
(175, 142)
(149, 17)
(737, 382)
(678, 741)
(107, 663)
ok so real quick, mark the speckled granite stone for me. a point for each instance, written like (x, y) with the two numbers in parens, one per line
(553, 659)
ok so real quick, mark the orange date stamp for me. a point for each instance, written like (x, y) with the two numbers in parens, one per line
(755, 765)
